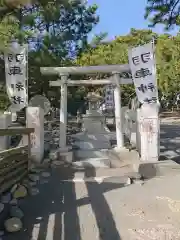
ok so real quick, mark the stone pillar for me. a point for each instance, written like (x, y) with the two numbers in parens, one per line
(65, 152)
(35, 119)
(118, 113)
(63, 113)
(149, 128)
(5, 122)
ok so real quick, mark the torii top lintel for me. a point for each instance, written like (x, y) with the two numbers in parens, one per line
(85, 69)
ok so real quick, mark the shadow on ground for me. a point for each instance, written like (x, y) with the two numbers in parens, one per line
(105, 222)
(52, 214)
(170, 142)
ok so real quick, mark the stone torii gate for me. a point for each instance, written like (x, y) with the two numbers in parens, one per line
(64, 82)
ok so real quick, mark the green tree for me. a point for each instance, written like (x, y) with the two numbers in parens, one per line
(10, 15)
(98, 39)
(62, 36)
(115, 52)
(164, 12)
(56, 32)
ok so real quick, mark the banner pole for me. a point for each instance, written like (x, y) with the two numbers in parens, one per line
(27, 74)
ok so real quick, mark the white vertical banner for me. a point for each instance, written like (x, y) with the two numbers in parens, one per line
(143, 68)
(16, 71)
(109, 97)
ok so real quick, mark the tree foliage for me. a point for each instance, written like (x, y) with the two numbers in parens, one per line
(116, 52)
(56, 32)
(164, 12)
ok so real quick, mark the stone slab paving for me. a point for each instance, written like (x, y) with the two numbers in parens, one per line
(66, 209)
(170, 141)
(170, 120)
(149, 211)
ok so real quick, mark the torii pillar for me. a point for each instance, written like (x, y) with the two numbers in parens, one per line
(64, 83)
(118, 112)
(63, 112)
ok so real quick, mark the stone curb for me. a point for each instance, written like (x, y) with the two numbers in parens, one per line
(123, 157)
(150, 170)
(147, 170)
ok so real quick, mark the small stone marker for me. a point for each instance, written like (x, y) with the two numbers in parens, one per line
(35, 119)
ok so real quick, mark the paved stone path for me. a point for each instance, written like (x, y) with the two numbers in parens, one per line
(103, 210)
(170, 141)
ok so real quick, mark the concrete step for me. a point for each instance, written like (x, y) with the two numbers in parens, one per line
(126, 171)
(92, 136)
(91, 141)
(105, 181)
(92, 163)
(123, 157)
(89, 145)
(90, 153)
(158, 169)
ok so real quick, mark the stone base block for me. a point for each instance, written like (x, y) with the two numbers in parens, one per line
(83, 154)
(93, 163)
(122, 157)
(158, 169)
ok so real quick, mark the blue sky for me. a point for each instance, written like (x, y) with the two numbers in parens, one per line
(117, 17)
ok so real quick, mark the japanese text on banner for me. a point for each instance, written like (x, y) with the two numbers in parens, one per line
(16, 76)
(109, 97)
(142, 65)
